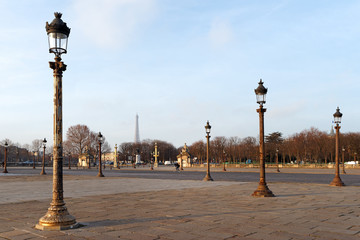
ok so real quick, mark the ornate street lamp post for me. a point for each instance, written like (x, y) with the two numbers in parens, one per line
(337, 120)
(43, 161)
(100, 140)
(343, 160)
(262, 190)
(156, 155)
(277, 160)
(355, 158)
(207, 128)
(224, 160)
(34, 159)
(57, 216)
(5, 157)
(115, 157)
(69, 159)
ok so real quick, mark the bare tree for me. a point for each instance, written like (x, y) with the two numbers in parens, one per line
(78, 137)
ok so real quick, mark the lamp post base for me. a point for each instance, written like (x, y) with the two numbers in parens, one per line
(5, 171)
(208, 178)
(57, 218)
(336, 182)
(43, 173)
(100, 175)
(263, 191)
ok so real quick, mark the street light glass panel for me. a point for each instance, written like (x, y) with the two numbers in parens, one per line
(260, 92)
(207, 127)
(58, 33)
(57, 43)
(100, 137)
(337, 116)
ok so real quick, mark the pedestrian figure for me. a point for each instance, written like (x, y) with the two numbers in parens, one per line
(177, 167)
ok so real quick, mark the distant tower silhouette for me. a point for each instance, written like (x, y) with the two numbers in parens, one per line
(137, 134)
(332, 133)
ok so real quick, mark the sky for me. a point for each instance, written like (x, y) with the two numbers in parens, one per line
(178, 64)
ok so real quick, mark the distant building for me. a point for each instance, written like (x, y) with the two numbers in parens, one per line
(85, 159)
(184, 157)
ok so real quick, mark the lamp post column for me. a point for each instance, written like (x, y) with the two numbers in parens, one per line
(115, 157)
(224, 160)
(57, 216)
(337, 180)
(343, 160)
(277, 160)
(100, 174)
(34, 160)
(69, 159)
(5, 158)
(262, 190)
(207, 177)
(156, 155)
(43, 161)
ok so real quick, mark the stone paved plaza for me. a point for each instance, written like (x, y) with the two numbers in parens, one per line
(135, 208)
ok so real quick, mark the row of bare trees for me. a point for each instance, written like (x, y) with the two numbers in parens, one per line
(21, 153)
(308, 146)
(128, 150)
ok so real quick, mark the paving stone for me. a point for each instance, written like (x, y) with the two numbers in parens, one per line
(193, 210)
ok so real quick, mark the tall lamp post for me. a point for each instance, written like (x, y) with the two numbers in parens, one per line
(57, 216)
(115, 158)
(5, 157)
(343, 160)
(100, 140)
(69, 159)
(337, 120)
(34, 159)
(43, 160)
(262, 190)
(355, 158)
(224, 160)
(207, 128)
(277, 160)
(156, 155)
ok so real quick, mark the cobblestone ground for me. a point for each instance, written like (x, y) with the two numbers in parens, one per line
(122, 208)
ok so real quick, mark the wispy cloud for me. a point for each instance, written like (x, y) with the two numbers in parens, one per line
(112, 23)
(221, 33)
